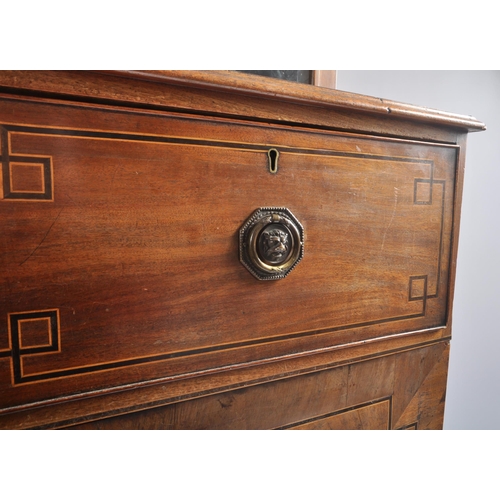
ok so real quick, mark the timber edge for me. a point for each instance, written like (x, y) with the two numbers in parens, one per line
(306, 94)
(234, 94)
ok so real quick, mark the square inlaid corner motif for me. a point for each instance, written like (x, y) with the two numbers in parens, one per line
(423, 192)
(35, 330)
(418, 287)
(26, 178)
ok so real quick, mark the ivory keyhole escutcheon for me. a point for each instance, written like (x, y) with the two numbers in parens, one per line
(273, 155)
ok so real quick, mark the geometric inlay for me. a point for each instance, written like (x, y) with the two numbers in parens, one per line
(418, 287)
(423, 192)
(32, 332)
(423, 195)
(35, 332)
(422, 189)
(31, 178)
(25, 177)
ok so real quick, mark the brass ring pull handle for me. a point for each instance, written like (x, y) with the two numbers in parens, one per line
(271, 243)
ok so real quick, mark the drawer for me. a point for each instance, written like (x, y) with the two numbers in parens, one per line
(407, 392)
(120, 245)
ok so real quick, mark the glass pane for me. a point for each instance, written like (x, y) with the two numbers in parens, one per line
(291, 75)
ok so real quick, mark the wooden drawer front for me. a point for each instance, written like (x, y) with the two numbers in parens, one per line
(401, 391)
(119, 247)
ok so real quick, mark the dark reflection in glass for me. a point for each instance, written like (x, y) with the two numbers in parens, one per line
(291, 75)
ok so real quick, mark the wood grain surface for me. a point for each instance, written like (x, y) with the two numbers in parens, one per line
(407, 390)
(119, 248)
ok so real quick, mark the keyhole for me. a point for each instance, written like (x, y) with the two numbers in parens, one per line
(273, 155)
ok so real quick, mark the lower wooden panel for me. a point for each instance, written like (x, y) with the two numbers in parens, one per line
(399, 391)
(374, 416)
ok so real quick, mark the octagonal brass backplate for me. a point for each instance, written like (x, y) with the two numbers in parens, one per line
(271, 243)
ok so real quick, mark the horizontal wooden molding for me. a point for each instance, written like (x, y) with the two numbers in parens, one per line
(234, 82)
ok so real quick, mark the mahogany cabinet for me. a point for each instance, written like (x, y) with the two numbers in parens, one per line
(213, 250)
